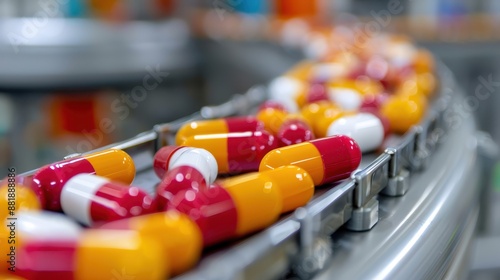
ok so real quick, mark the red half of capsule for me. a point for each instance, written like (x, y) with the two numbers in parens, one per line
(272, 104)
(317, 92)
(246, 151)
(235, 152)
(339, 159)
(213, 210)
(46, 260)
(176, 180)
(241, 124)
(162, 158)
(50, 179)
(294, 131)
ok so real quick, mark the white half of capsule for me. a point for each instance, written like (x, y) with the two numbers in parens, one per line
(47, 226)
(199, 159)
(78, 194)
(348, 99)
(328, 71)
(284, 90)
(365, 128)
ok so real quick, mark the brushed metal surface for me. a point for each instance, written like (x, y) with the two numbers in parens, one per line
(418, 234)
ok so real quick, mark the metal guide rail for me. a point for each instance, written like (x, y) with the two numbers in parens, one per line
(298, 244)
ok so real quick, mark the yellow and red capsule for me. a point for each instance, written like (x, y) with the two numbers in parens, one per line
(228, 207)
(226, 125)
(326, 159)
(49, 180)
(235, 152)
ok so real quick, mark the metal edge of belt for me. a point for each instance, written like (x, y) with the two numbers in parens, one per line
(302, 236)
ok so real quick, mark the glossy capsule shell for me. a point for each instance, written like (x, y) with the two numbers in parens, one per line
(294, 131)
(176, 180)
(178, 236)
(404, 111)
(326, 159)
(272, 118)
(226, 125)
(365, 128)
(171, 157)
(235, 152)
(228, 207)
(24, 197)
(212, 209)
(90, 199)
(102, 254)
(275, 191)
(40, 226)
(98, 254)
(49, 180)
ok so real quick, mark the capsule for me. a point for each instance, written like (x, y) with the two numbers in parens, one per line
(317, 92)
(226, 125)
(285, 91)
(404, 111)
(272, 118)
(178, 236)
(320, 115)
(365, 128)
(235, 152)
(170, 157)
(49, 180)
(98, 254)
(176, 180)
(90, 199)
(228, 207)
(23, 197)
(326, 159)
(346, 98)
(40, 226)
(294, 131)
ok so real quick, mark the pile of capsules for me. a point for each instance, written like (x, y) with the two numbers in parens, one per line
(223, 178)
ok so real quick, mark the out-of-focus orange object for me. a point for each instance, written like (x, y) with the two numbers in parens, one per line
(296, 8)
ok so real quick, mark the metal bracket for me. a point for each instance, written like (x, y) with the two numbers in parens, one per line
(364, 218)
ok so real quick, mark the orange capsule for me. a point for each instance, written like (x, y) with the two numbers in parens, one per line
(404, 111)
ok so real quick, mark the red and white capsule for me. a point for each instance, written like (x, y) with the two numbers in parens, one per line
(89, 199)
(170, 157)
(365, 128)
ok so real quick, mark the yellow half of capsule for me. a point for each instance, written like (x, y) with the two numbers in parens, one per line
(257, 199)
(180, 238)
(295, 184)
(404, 111)
(213, 143)
(363, 86)
(272, 119)
(113, 164)
(110, 254)
(200, 127)
(24, 198)
(304, 155)
(301, 71)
